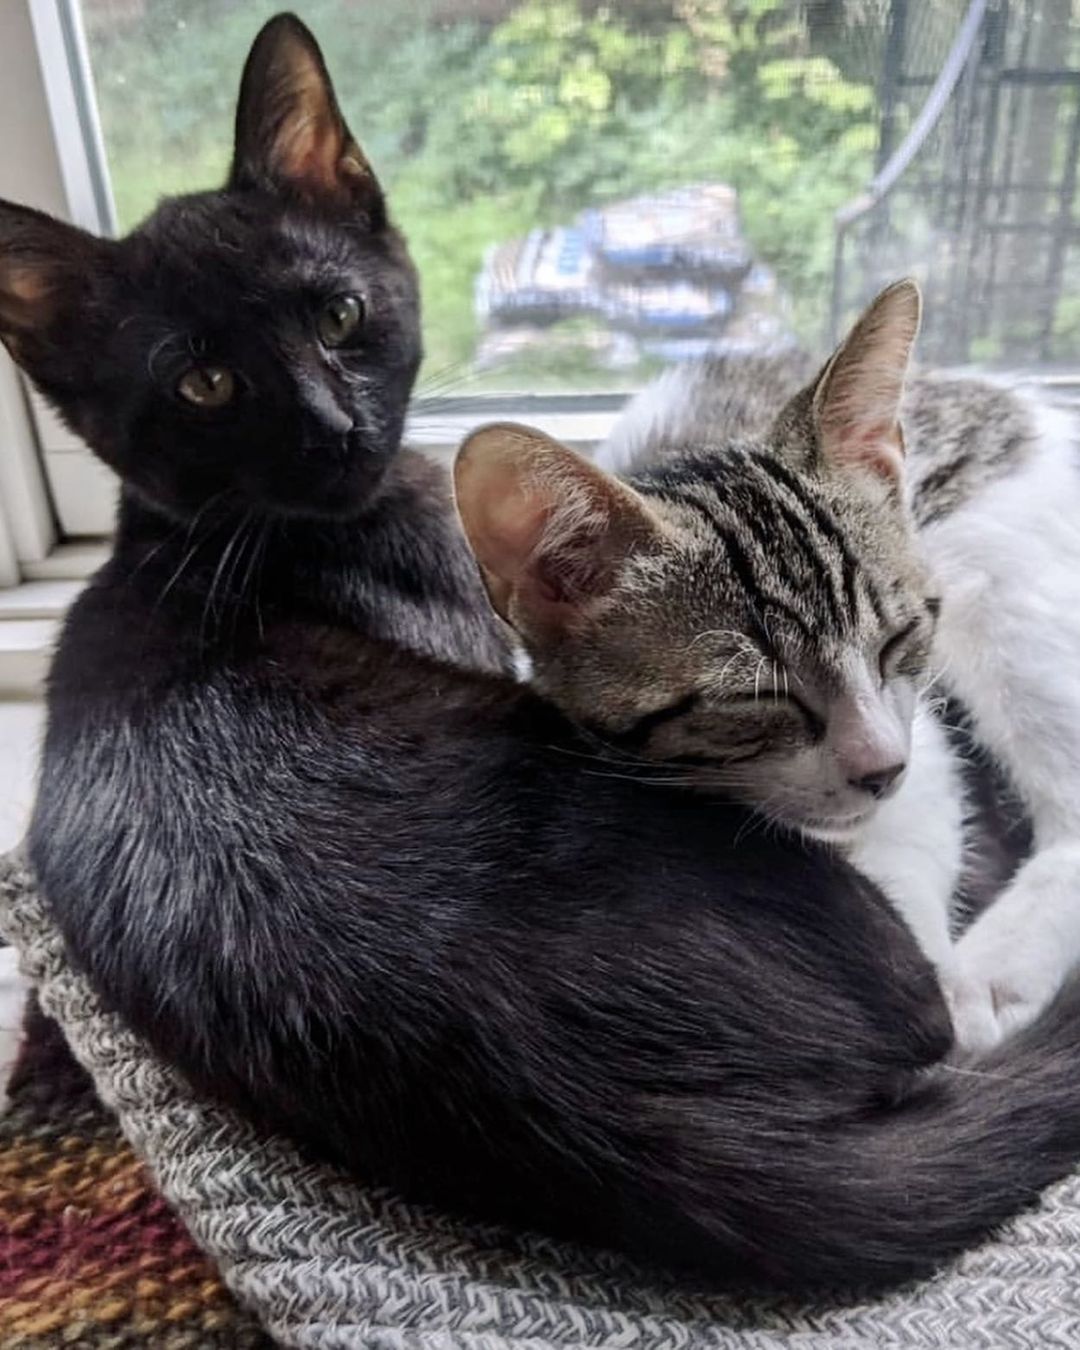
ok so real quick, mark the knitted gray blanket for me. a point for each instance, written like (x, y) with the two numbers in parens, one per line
(325, 1263)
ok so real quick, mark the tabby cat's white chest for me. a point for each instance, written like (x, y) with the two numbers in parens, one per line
(913, 845)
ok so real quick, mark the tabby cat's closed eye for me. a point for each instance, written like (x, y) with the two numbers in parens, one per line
(897, 649)
(339, 320)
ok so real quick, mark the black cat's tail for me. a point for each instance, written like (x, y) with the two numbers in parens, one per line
(895, 1192)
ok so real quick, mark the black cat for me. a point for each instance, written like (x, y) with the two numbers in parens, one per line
(391, 906)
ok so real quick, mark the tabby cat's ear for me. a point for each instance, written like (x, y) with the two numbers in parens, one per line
(291, 138)
(857, 398)
(548, 528)
(46, 273)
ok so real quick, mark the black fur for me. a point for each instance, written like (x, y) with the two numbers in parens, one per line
(396, 910)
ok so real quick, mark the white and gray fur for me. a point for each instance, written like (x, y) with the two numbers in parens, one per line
(993, 482)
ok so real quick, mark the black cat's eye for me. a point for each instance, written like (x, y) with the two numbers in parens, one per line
(209, 387)
(339, 320)
(895, 647)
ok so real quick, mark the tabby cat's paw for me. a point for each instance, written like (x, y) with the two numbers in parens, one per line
(984, 1013)
(1011, 963)
(992, 993)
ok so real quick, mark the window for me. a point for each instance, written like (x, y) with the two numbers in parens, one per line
(594, 190)
(589, 190)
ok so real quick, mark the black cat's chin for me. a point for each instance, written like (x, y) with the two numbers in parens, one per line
(289, 478)
(338, 493)
(332, 480)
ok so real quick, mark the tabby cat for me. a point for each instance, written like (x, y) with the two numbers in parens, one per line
(386, 904)
(759, 606)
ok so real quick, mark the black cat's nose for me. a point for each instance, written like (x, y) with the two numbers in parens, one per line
(327, 422)
(881, 783)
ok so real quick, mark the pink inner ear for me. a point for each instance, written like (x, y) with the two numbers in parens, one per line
(27, 284)
(878, 446)
(310, 145)
(28, 295)
(312, 156)
(510, 532)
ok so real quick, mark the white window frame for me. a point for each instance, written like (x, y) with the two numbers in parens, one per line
(56, 164)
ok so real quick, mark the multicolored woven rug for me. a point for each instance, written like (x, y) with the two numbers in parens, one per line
(90, 1254)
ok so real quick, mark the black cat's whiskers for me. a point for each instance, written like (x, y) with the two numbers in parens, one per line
(252, 579)
(151, 554)
(225, 574)
(451, 378)
(192, 527)
(236, 596)
(438, 393)
(181, 568)
(428, 404)
(241, 558)
(210, 598)
(450, 385)
(188, 527)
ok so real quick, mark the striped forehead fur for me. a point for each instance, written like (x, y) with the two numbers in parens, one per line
(777, 532)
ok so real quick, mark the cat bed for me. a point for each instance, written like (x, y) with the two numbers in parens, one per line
(322, 1262)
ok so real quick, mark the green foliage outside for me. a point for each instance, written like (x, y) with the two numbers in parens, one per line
(481, 130)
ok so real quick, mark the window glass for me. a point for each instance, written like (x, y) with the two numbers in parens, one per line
(591, 191)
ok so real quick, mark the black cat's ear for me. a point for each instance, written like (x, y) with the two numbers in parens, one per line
(549, 530)
(856, 402)
(46, 271)
(291, 138)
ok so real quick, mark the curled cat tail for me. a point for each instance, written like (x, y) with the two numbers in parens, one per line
(973, 1146)
(892, 1195)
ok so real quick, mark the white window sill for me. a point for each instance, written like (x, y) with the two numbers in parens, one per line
(25, 648)
(30, 616)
